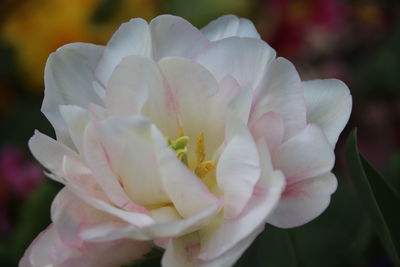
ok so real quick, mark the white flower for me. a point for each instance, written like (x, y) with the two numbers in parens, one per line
(191, 140)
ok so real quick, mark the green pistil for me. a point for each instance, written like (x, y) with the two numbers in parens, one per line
(179, 145)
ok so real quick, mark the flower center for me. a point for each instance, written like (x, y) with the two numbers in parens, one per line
(179, 145)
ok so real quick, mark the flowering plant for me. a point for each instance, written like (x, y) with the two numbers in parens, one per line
(190, 140)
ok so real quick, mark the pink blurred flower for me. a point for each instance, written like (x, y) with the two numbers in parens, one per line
(304, 22)
(18, 175)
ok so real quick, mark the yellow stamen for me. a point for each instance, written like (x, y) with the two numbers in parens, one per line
(180, 133)
(204, 168)
(200, 149)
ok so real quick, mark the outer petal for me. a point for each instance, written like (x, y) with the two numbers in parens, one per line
(228, 26)
(132, 38)
(49, 250)
(68, 81)
(304, 201)
(329, 105)
(76, 119)
(173, 36)
(305, 155)
(68, 219)
(50, 153)
(280, 91)
(246, 59)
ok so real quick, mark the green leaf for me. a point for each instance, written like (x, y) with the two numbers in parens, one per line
(151, 259)
(272, 248)
(34, 217)
(380, 199)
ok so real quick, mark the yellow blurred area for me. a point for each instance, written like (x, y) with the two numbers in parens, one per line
(38, 27)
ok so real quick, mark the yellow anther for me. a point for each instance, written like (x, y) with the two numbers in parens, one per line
(180, 133)
(200, 149)
(204, 168)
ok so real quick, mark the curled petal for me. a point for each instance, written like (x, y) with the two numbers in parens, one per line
(228, 26)
(69, 74)
(304, 201)
(328, 106)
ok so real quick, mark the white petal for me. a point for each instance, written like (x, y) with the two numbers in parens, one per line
(76, 119)
(47, 250)
(50, 153)
(130, 85)
(281, 92)
(269, 127)
(183, 226)
(68, 81)
(230, 232)
(183, 252)
(238, 170)
(136, 219)
(70, 214)
(132, 38)
(304, 201)
(116, 253)
(131, 151)
(193, 89)
(99, 162)
(175, 37)
(173, 226)
(228, 26)
(189, 195)
(246, 59)
(329, 105)
(305, 155)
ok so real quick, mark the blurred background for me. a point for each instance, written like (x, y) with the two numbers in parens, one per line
(357, 41)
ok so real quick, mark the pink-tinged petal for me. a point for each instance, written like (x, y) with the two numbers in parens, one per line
(130, 85)
(172, 224)
(136, 219)
(98, 161)
(183, 252)
(76, 119)
(219, 240)
(281, 91)
(68, 219)
(175, 37)
(228, 26)
(49, 250)
(132, 38)
(232, 255)
(68, 81)
(114, 253)
(304, 201)
(269, 127)
(50, 153)
(237, 174)
(305, 155)
(329, 106)
(132, 155)
(246, 59)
